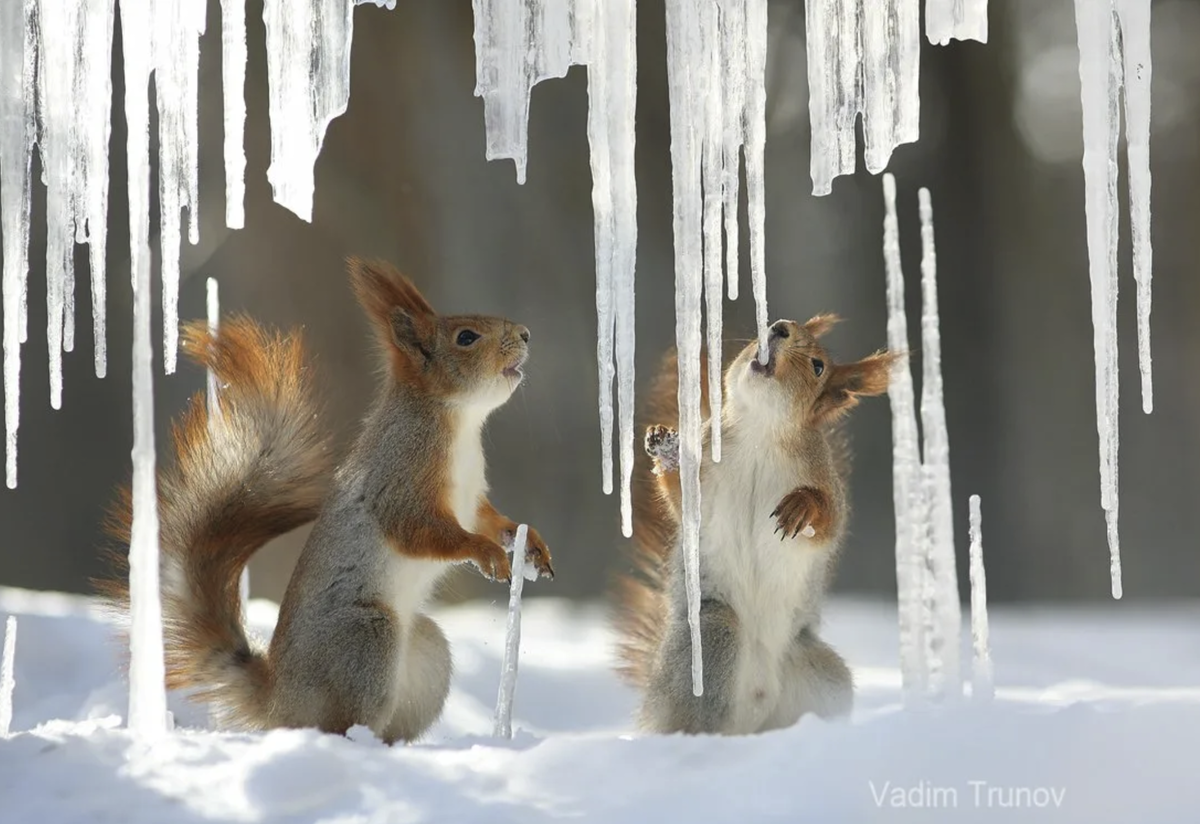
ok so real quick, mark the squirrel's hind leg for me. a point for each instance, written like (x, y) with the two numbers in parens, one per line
(422, 682)
(669, 705)
(815, 679)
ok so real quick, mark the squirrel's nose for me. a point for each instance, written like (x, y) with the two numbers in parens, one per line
(523, 332)
(779, 330)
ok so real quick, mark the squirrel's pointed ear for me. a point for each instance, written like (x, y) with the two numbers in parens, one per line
(847, 382)
(818, 325)
(381, 287)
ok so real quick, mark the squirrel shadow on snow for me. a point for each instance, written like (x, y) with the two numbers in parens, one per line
(353, 644)
(773, 517)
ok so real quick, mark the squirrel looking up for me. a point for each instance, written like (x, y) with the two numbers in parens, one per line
(353, 644)
(773, 516)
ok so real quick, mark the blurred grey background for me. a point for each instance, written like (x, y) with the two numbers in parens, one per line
(402, 175)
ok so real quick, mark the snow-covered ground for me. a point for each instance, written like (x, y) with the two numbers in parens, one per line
(1097, 719)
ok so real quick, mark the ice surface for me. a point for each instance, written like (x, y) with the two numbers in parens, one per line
(74, 63)
(6, 675)
(512, 638)
(906, 462)
(687, 87)
(860, 62)
(982, 688)
(176, 38)
(18, 44)
(308, 74)
(1099, 75)
(936, 459)
(947, 20)
(233, 79)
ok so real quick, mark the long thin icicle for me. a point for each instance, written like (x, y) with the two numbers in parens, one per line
(756, 142)
(1099, 75)
(7, 682)
(177, 28)
(18, 95)
(308, 75)
(906, 462)
(502, 727)
(684, 42)
(710, 122)
(936, 459)
(863, 57)
(947, 20)
(233, 79)
(981, 660)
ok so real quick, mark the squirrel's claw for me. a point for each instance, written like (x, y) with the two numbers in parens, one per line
(662, 444)
(801, 512)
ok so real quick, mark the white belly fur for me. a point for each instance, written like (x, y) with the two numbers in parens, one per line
(773, 585)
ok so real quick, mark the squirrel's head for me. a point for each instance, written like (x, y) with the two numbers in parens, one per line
(467, 359)
(800, 382)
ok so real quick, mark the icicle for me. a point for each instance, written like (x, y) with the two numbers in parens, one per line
(612, 98)
(710, 122)
(861, 59)
(1100, 83)
(906, 477)
(7, 682)
(308, 73)
(1134, 18)
(213, 305)
(981, 661)
(955, 19)
(176, 37)
(233, 78)
(936, 457)
(756, 141)
(512, 638)
(733, 89)
(18, 44)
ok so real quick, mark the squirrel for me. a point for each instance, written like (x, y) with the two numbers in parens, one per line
(773, 517)
(353, 645)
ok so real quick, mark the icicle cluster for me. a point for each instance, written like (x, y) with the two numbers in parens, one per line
(981, 660)
(1114, 51)
(512, 638)
(947, 20)
(930, 614)
(7, 682)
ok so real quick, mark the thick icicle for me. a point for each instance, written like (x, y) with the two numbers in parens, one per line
(861, 59)
(233, 78)
(710, 122)
(212, 304)
(947, 20)
(308, 74)
(906, 462)
(512, 638)
(18, 45)
(7, 682)
(1099, 69)
(612, 98)
(936, 459)
(684, 43)
(981, 660)
(176, 37)
(1134, 17)
(756, 140)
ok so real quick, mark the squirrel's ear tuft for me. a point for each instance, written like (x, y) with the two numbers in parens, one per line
(847, 382)
(818, 325)
(380, 288)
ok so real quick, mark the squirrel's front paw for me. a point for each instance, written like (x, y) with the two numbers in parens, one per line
(662, 444)
(492, 561)
(537, 554)
(803, 511)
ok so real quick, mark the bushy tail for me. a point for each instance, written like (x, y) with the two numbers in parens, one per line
(257, 469)
(640, 598)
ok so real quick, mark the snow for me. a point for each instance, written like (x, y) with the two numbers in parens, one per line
(147, 699)
(866, 63)
(947, 613)
(906, 461)
(684, 42)
(233, 78)
(982, 688)
(308, 75)
(18, 38)
(947, 20)
(1074, 683)
(502, 727)
(6, 675)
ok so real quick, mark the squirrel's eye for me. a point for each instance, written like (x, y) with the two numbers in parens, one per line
(466, 337)
(818, 366)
